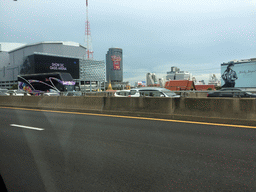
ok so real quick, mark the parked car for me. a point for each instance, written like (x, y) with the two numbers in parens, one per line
(3, 92)
(51, 94)
(152, 92)
(122, 93)
(231, 92)
(73, 93)
(18, 93)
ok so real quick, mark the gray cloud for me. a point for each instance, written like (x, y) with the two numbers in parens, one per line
(154, 34)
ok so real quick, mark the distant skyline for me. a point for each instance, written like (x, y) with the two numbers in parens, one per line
(196, 36)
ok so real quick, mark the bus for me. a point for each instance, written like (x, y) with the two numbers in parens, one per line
(37, 84)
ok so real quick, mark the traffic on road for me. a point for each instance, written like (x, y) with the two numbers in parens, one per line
(231, 92)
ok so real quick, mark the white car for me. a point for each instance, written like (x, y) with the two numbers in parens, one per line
(152, 92)
(3, 92)
(18, 93)
(73, 93)
(122, 93)
(51, 94)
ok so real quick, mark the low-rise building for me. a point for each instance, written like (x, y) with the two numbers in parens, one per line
(180, 85)
(204, 87)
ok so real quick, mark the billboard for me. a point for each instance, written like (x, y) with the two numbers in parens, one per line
(50, 64)
(141, 83)
(116, 62)
(38, 63)
(238, 74)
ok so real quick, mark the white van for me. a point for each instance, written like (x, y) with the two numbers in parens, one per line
(122, 93)
(152, 92)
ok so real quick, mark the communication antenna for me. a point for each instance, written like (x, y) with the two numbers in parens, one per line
(88, 38)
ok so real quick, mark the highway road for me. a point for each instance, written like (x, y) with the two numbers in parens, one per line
(68, 151)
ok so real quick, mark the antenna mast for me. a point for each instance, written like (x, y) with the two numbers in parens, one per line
(88, 38)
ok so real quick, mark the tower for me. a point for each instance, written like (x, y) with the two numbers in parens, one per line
(114, 65)
(88, 38)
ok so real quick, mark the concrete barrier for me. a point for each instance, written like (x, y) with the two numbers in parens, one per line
(54, 102)
(75, 103)
(100, 94)
(19, 101)
(139, 104)
(229, 110)
(192, 94)
(234, 108)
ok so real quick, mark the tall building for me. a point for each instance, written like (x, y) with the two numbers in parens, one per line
(114, 65)
(183, 75)
(161, 82)
(175, 69)
(176, 74)
(213, 80)
(92, 74)
(151, 79)
(194, 80)
(200, 82)
(171, 74)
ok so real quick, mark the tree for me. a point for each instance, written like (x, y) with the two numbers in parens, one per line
(15, 86)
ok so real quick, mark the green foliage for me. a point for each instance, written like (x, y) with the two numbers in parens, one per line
(217, 87)
(209, 89)
(15, 86)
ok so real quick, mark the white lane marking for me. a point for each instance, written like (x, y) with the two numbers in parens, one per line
(27, 127)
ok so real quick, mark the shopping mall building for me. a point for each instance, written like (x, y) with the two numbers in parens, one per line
(47, 57)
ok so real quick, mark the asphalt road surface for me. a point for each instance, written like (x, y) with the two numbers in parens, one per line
(80, 152)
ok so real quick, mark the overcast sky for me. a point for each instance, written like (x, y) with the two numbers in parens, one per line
(194, 35)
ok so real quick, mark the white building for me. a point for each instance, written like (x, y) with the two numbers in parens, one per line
(151, 79)
(176, 74)
(213, 80)
(183, 75)
(194, 80)
(161, 82)
(200, 82)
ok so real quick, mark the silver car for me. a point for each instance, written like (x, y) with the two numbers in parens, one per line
(152, 92)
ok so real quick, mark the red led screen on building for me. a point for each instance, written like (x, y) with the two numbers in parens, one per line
(116, 62)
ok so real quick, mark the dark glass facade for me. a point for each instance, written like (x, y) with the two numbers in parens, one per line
(50, 64)
(114, 65)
